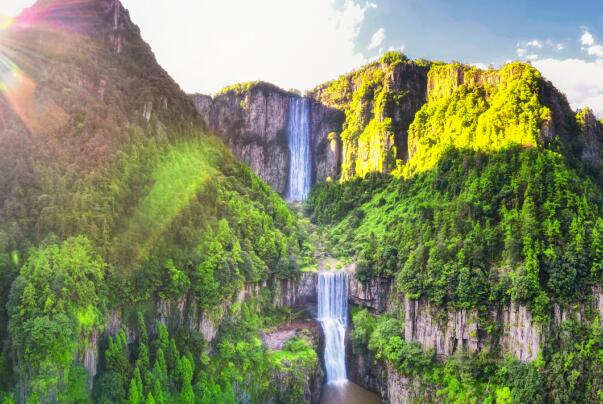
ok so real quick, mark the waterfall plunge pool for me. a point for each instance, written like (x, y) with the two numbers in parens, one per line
(347, 393)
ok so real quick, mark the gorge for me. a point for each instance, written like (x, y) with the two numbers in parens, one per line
(412, 231)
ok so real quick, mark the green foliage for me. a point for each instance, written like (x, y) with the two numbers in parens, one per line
(109, 388)
(478, 229)
(486, 110)
(243, 88)
(179, 370)
(382, 335)
(56, 301)
(377, 113)
(392, 57)
(117, 187)
(571, 372)
(77, 386)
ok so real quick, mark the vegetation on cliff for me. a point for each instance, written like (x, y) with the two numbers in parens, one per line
(113, 199)
(478, 229)
(178, 367)
(570, 372)
(493, 208)
(378, 106)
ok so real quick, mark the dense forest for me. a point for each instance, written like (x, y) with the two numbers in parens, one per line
(114, 198)
(486, 213)
(140, 262)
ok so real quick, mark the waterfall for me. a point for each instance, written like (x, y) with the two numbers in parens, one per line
(333, 316)
(298, 130)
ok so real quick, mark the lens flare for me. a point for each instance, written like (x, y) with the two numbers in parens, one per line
(6, 22)
(18, 89)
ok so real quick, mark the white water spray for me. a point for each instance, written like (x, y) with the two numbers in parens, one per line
(298, 130)
(333, 316)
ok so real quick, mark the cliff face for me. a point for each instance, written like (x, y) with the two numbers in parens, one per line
(377, 119)
(252, 120)
(326, 145)
(592, 136)
(253, 123)
(453, 330)
(379, 102)
(515, 332)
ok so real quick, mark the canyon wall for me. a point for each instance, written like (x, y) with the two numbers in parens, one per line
(515, 332)
(452, 330)
(253, 123)
(363, 121)
(252, 120)
(185, 313)
(379, 101)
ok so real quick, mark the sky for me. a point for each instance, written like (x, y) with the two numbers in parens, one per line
(208, 44)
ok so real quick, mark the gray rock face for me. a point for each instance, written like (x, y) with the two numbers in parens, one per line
(521, 336)
(90, 357)
(458, 332)
(374, 295)
(253, 123)
(598, 301)
(592, 135)
(385, 380)
(326, 143)
(298, 291)
(447, 332)
(400, 389)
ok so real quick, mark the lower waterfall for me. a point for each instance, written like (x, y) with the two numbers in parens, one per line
(333, 316)
(300, 170)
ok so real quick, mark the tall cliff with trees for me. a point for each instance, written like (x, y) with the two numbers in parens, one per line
(116, 203)
(485, 243)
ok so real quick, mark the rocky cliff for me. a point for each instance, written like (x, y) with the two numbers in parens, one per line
(448, 332)
(592, 137)
(379, 101)
(509, 330)
(252, 119)
(371, 120)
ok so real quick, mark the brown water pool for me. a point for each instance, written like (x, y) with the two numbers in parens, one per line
(347, 393)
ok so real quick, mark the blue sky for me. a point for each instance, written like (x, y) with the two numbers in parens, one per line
(208, 44)
(484, 31)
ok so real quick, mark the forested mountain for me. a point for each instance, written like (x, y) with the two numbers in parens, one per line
(115, 200)
(486, 242)
(140, 261)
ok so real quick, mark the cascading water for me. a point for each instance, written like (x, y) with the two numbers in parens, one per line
(298, 129)
(333, 316)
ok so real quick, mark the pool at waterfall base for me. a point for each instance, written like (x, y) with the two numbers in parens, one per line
(347, 393)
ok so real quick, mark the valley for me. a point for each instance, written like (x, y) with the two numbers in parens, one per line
(413, 231)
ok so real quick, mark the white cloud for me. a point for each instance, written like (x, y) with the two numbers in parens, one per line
(377, 39)
(590, 45)
(559, 47)
(595, 50)
(292, 43)
(580, 80)
(531, 57)
(521, 52)
(534, 44)
(587, 39)
(479, 65)
(397, 48)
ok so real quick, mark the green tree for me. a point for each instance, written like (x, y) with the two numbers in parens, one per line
(56, 302)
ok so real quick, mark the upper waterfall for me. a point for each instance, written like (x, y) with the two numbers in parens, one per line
(298, 131)
(333, 316)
